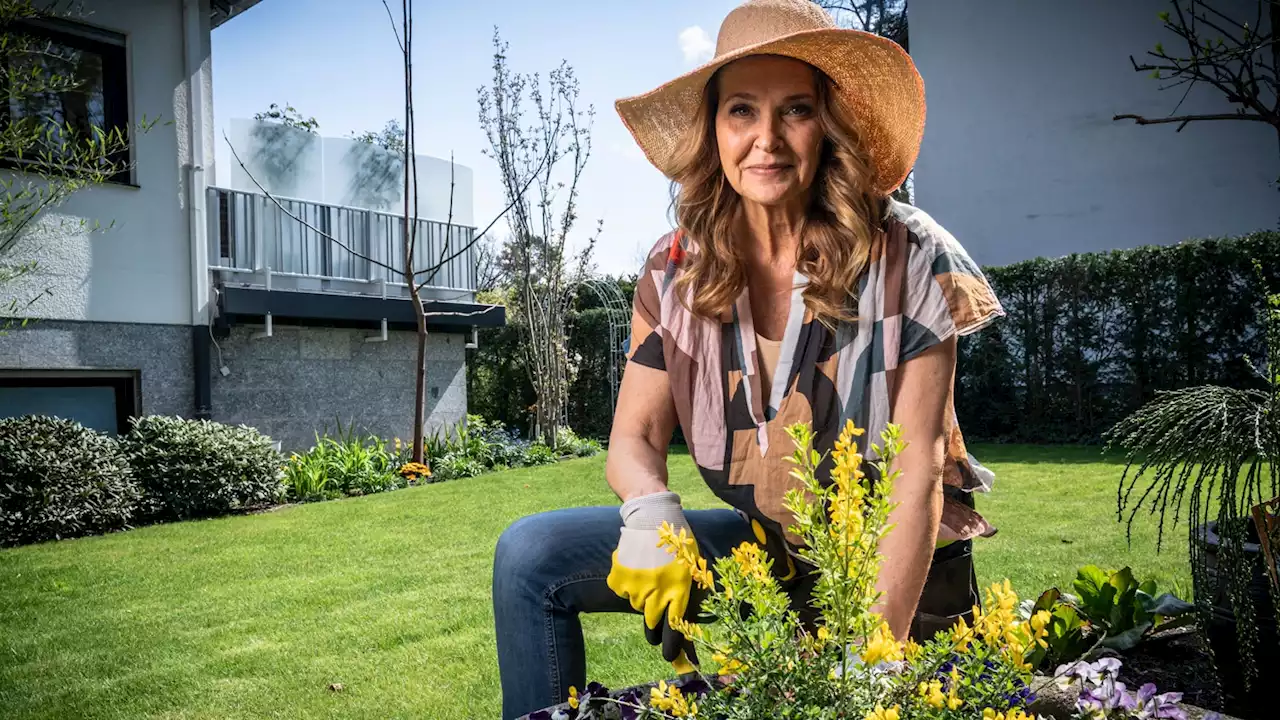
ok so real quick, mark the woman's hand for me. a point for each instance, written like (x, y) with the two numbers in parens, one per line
(920, 407)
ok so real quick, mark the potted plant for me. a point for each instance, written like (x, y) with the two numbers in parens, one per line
(1211, 452)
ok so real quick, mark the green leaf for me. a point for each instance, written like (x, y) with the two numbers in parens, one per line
(1089, 582)
(1047, 600)
(1128, 639)
(1167, 605)
(1164, 16)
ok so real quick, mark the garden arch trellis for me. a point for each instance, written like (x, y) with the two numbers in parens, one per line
(618, 310)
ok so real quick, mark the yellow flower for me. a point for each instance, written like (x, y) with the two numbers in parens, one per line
(881, 646)
(911, 650)
(573, 697)
(1040, 627)
(953, 697)
(684, 627)
(932, 693)
(1010, 714)
(669, 699)
(727, 664)
(882, 714)
(961, 635)
(751, 560)
(824, 634)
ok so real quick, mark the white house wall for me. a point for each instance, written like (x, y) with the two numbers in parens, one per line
(1021, 157)
(138, 269)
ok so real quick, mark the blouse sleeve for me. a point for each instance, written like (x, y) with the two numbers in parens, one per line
(645, 346)
(946, 294)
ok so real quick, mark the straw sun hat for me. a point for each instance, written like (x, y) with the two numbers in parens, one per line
(874, 76)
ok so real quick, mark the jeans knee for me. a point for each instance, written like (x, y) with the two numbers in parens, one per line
(522, 550)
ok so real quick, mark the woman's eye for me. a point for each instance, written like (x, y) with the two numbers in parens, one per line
(801, 110)
(740, 110)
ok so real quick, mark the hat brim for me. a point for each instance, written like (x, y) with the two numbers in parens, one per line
(874, 76)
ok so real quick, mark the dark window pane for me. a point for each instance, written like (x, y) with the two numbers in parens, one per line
(80, 107)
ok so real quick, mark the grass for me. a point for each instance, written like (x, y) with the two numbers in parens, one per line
(388, 595)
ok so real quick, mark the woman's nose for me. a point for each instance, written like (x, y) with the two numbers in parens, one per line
(769, 139)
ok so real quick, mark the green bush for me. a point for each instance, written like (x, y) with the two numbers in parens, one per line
(454, 467)
(306, 477)
(540, 454)
(59, 479)
(569, 443)
(347, 464)
(200, 468)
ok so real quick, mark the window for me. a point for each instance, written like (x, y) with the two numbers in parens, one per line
(65, 78)
(101, 400)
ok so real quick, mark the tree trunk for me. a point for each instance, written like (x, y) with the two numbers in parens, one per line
(420, 392)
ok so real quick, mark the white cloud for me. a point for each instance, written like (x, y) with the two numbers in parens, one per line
(697, 45)
(628, 150)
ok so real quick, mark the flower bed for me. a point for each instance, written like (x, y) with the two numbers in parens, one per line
(848, 664)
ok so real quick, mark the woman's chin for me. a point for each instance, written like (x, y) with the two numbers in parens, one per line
(771, 195)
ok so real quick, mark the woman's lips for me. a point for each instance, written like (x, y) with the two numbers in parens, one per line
(768, 170)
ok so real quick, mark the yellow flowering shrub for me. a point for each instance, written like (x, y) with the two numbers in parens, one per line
(847, 663)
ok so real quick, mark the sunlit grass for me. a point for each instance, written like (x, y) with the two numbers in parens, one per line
(388, 595)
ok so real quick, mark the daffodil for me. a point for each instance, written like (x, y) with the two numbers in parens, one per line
(573, 697)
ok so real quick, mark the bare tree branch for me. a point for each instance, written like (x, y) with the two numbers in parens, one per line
(1184, 119)
(394, 30)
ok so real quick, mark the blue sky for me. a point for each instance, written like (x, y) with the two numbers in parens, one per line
(337, 60)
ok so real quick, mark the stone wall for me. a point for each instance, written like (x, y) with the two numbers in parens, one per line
(161, 354)
(303, 380)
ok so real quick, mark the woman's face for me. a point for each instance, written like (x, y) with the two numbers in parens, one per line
(767, 128)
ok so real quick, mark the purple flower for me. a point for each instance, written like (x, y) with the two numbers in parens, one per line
(1020, 697)
(1106, 696)
(595, 689)
(629, 698)
(695, 686)
(1151, 706)
(1109, 666)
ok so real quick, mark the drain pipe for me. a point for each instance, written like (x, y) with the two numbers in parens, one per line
(196, 43)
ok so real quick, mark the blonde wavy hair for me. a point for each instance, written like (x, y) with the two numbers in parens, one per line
(839, 227)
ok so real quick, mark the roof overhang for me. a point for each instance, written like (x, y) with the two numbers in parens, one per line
(223, 10)
(248, 305)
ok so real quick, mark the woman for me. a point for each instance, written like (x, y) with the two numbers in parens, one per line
(793, 291)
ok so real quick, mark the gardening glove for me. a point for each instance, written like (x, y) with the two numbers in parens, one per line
(650, 578)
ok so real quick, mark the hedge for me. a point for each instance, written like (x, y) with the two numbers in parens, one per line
(1087, 340)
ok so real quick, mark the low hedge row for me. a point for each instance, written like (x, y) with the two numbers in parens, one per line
(59, 479)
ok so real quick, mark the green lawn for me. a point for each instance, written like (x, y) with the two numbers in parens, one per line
(253, 617)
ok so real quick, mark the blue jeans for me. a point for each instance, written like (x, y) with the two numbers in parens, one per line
(549, 568)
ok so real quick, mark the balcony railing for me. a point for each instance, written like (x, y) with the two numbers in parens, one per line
(251, 238)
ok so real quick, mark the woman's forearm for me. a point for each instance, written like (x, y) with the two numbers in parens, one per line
(634, 467)
(907, 550)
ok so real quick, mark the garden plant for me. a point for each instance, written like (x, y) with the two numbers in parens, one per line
(771, 663)
(1211, 452)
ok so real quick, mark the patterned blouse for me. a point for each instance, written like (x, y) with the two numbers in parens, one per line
(920, 288)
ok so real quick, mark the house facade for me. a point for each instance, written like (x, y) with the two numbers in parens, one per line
(287, 314)
(1021, 157)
